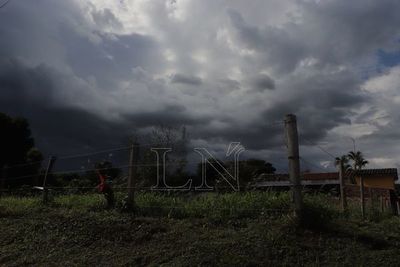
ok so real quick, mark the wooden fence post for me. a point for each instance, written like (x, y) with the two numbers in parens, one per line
(50, 165)
(133, 159)
(294, 162)
(343, 200)
(362, 196)
(371, 196)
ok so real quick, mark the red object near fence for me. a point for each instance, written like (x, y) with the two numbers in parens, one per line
(103, 185)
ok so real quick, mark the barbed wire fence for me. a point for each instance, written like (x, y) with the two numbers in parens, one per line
(86, 161)
(119, 157)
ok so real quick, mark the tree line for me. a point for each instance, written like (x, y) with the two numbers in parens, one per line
(19, 157)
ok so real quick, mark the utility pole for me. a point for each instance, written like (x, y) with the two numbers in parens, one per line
(354, 144)
(294, 162)
(50, 165)
(133, 159)
(343, 201)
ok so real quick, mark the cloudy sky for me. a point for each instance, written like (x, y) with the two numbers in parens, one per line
(88, 74)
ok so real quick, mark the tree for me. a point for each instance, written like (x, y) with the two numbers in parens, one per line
(17, 146)
(164, 137)
(248, 170)
(259, 166)
(34, 158)
(358, 160)
(251, 169)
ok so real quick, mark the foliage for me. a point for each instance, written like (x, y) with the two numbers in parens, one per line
(358, 160)
(17, 148)
(251, 169)
(173, 138)
(248, 171)
(213, 170)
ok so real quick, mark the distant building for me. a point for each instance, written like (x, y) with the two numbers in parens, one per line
(378, 183)
(377, 178)
(281, 181)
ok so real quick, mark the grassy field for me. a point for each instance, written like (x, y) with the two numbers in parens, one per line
(244, 229)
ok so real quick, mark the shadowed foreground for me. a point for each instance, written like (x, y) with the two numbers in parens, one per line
(32, 234)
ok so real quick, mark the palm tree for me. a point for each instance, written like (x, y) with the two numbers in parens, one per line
(358, 160)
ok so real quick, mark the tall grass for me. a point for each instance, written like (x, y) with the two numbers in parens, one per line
(211, 205)
(18, 205)
(205, 205)
(319, 208)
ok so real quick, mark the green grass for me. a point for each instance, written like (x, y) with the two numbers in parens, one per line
(207, 205)
(235, 229)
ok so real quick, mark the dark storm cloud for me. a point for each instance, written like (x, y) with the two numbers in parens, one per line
(186, 79)
(170, 115)
(332, 32)
(85, 75)
(105, 18)
(258, 136)
(60, 128)
(279, 46)
(350, 30)
(112, 59)
(28, 92)
(37, 48)
(230, 84)
(321, 102)
(20, 85)
(315, 118)
(262, 82)
(69, 41)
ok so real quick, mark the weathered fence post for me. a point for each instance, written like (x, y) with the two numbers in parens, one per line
(50, 164)
(398, 207)
(133, 159)
(362, 198)
(343, 200)
(371, 201)
(294, 162)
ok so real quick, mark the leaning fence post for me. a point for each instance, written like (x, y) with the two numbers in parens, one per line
(48, 169)
(294, 162)
(133, 159)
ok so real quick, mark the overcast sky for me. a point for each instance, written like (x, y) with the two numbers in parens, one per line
(88, 74)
